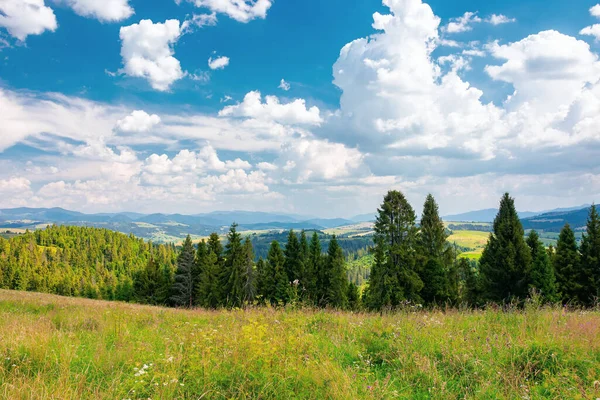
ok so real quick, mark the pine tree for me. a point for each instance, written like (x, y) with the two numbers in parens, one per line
(567, 265)
(393, 276)
(435, 254)
(262, 281)
(541, 274)
(199, 262)
(277, 290)
(249, 277)
(183, 288)
(506, 258)
(234, 269)
(293, 258)
(590, 260)
(336, 294)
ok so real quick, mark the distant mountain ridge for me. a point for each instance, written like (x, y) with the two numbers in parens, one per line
(488, 215)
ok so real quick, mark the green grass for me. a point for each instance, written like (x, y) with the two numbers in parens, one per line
(359, 229)
(473, 240)
(65, 348)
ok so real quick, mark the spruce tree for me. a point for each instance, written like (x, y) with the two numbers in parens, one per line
(590, 260)
(209, 291)
(249, 277)
(353, 296)
(183, 288)
(337, 291)
(393, 276)
(541, 274)
(262, 281)
(506, 258)
(200, 261)
(234, 269)
(293, 258)
(435, 254)
(304, 259)
(313, 269)
(214, 245)
(567, 265)
(278, 286)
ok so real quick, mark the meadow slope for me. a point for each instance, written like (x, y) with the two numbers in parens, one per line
(65, 348)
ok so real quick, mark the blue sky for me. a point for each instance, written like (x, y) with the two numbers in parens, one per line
(112, 105)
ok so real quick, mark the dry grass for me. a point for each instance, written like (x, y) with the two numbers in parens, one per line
(63, 348)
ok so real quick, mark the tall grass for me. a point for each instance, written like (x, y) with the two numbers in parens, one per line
(64, 348)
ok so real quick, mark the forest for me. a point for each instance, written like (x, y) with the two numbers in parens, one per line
(407, 263)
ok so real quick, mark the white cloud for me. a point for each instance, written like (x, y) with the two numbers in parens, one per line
(272, 110)
(14, 185)
(474, 53)
(548, 69)
(218, 63)
(462, 24)
(105, 10)
(240, 10)
(138, 121)
(283, 85)
(238, 181)
(595, 11)
(499, 19)
(22, 18)
(200, 21)
(592, 30)
(265, 166)
(147, 51)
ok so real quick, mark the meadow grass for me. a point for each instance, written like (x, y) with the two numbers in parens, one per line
(64, 348)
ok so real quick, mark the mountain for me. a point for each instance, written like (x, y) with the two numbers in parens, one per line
(247, 217)
(489, 214)
(328, 223)
(363, 218)
(553, 221)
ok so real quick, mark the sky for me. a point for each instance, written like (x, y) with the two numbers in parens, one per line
(308, 107)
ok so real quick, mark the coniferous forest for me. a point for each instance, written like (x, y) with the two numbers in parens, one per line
(412, 263)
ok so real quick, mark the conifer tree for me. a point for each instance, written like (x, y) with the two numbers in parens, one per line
(567, 265)
(200, 261)
(506, 258)
(541, 274)
(293, 258)
(353, 296)
(393, 276)
(249, 277)
(183, 288)
(214, 245)
(435, 254)
(304, 259)
(278, 286)
(262, 280)
(337, 291)
(313, 270)
(234, 269)
(209, 291)
(590, 260)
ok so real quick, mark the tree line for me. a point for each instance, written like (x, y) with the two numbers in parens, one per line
(411, 263)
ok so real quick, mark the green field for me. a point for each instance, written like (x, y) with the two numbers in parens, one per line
(475, 241)
(360, 229)
(66, 348)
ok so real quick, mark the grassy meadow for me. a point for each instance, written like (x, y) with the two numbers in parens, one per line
(64, 348)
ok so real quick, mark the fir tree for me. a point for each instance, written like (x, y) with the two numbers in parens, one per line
(567, 265)
(262, 281)
(313, 270)
(234, 269)
(201, 254)
(590, 260)
(183, 288)
(304, 259)
(336, 293)
(353, 296)
(506, 258)
(209, 291)
(541, 274)
(393, 276)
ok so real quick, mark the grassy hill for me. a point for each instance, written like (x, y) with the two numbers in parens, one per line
(65, 348)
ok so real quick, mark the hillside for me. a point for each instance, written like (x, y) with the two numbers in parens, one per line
(56, 347)
(163, 228)
(554, 221)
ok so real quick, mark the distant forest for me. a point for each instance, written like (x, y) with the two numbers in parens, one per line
(404, 263)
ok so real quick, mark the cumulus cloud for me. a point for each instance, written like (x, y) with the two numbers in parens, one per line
(147, 51)
(272, 110)
(105, 10)
(462, 24)
(499, 19)
(22, 18)
(239, 10)
(283, 85)
(138, 121)
(595, 11)
(218, 63)
(200, 21)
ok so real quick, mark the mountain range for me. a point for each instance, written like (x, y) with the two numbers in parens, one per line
(488, 215)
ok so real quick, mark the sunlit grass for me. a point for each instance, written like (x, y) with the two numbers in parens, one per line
(65, 348)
